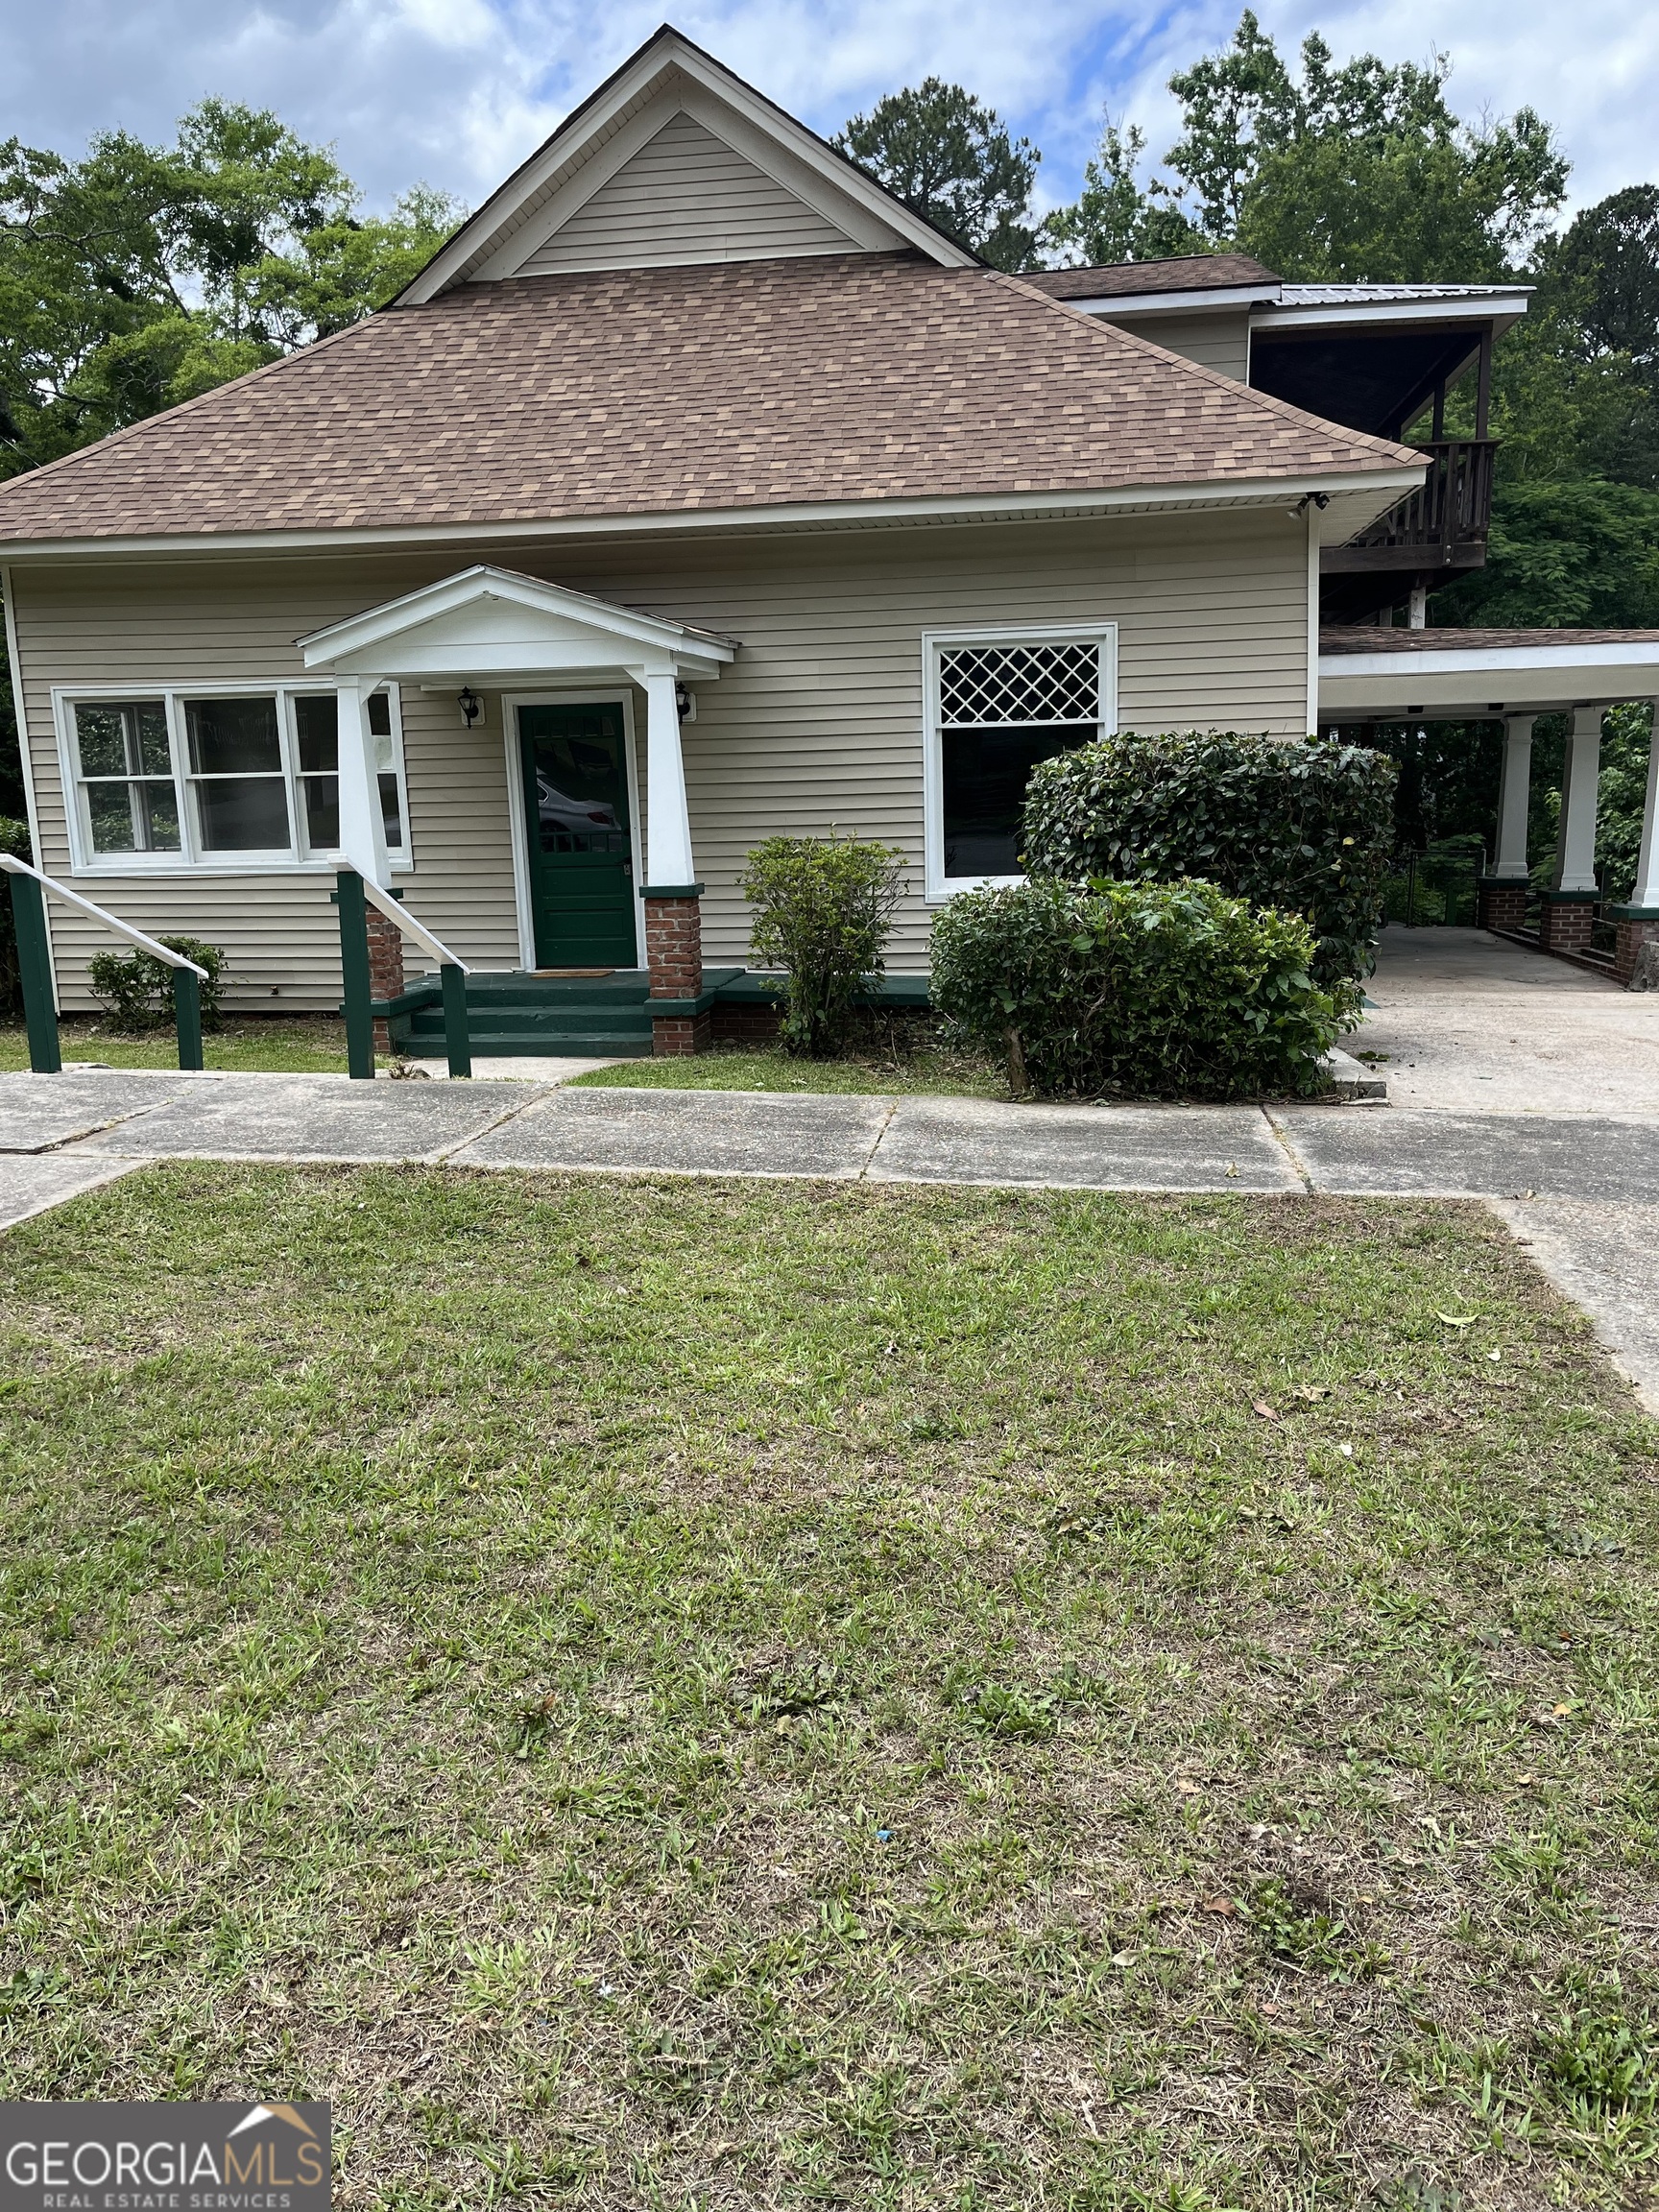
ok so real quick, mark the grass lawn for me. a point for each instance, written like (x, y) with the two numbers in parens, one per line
(768, 1067)
(728, 1695)
(264, 1045)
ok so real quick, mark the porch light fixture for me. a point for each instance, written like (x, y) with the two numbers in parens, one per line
(470, 705)
(685, 703)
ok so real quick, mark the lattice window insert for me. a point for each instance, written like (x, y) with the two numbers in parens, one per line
(993, 686)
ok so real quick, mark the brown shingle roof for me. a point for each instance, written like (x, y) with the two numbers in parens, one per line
(1119, 279)
(648, 391)
(1360, 637)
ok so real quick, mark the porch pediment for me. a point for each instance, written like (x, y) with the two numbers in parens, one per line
(489, 625)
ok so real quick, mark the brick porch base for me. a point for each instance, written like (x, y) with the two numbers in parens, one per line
(1568, 919)
(1635, 927)
(674, 955)
(1503, 903)
(385, 969)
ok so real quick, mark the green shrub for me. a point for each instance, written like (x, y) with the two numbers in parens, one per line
(1303, 826)
(13, 839)
(822, 910)
(1166, 988)
(137, 988)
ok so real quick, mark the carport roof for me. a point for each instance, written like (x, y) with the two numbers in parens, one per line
(1379, 675)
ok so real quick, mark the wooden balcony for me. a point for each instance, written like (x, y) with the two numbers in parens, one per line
(1438, 530)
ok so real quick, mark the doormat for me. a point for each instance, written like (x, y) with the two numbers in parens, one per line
(585, 974)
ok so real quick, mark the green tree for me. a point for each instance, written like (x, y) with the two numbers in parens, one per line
(141, 276)
(951, 158)
(1350, 173)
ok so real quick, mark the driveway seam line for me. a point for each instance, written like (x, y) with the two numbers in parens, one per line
(863, 1174)
(1298, 1165)
(511, 1112)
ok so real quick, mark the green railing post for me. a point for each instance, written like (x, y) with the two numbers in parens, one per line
(34, 964)
(354, 974)
(187, 1016)
(457, 1031)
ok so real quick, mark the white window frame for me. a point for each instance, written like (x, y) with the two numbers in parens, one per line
(938, 887)
(298, 858)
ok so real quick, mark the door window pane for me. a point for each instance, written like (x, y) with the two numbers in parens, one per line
(125, 770)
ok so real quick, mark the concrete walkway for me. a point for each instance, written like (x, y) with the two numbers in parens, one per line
(1563, 1139)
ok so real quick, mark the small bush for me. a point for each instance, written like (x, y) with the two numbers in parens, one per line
(137, 988)
(822, 910)
(1136, 987)
(13, 839)
(1306, 827)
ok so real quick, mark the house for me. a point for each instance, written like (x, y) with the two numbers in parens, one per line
(698, 490)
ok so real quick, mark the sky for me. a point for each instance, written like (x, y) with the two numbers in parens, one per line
(454, 93)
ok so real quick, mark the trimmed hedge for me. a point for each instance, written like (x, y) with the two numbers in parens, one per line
(137, 988)
(1306, 827)
(1161, 988)
(822, 906)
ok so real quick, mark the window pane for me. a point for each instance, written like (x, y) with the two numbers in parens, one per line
(234, 737)
(105, 734)
(392, 811)
(316, 718)
(243, 814)
(133, 817)
(322, 812)
(155, 751)
(986, 772)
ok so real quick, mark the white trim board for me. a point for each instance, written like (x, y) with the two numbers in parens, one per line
(1366, 493)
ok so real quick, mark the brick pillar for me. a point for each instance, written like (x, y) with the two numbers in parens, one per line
(674, 953)
(1635, 927)
(1504, 902)
(385, 969)
(1568, 919)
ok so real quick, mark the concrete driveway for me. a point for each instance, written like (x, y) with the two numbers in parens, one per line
(1513, 1079)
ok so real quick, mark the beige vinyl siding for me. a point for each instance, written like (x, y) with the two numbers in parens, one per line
(686, 197)
(1216, 341)
(182, 623)
(817, 726)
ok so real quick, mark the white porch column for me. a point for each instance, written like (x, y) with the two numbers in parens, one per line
(362, 825)
(1514, 793)
(1646, 891)
(668, 822)
(1575, 845)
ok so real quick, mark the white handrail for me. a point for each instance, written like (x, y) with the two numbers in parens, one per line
(386, 904)
(157, 952)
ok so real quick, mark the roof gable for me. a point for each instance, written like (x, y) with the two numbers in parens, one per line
(766, 186)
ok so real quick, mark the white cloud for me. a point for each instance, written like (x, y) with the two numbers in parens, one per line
(456, 92)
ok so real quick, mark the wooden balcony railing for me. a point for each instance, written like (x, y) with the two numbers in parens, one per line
(1442, 526)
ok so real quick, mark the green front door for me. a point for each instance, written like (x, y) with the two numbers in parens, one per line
(581, 852)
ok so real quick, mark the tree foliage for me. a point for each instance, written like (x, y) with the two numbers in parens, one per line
(953, 159)
(1356, 172)
(141, 276)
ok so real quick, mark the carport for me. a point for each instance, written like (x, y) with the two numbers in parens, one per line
(1371, 675)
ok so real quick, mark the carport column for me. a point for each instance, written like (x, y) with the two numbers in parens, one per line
(673, 900)
(363, 838)
(1569, 904)
(1504, 893)
(1638, 924)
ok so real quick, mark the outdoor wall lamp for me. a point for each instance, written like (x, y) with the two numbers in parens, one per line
(685, 703)
(471, 705)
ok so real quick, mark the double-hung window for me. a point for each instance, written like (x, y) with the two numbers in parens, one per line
(998, 702)
(187, 778)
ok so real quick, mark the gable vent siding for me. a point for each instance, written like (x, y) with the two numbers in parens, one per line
(686, 197)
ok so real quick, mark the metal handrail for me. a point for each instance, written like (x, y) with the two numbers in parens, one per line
(383, 903)
(156, 950)
(29, 885)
